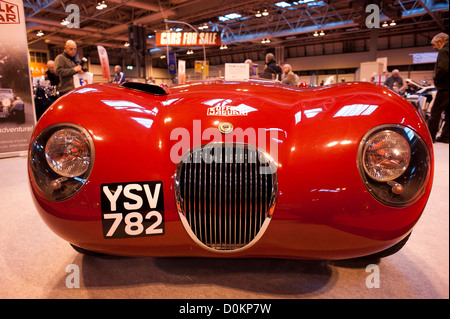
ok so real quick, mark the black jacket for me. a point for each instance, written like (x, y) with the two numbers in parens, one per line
(441, 76)
(272, 68)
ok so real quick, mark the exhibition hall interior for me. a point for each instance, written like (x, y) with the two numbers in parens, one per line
(224, 150)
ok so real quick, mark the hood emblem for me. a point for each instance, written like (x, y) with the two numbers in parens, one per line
(225, 127)
(227, 110)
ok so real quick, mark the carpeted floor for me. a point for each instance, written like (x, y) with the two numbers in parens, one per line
(35, 263)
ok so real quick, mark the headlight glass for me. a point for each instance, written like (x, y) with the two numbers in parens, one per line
(61, 159)
(67, 152)
(386, 156)
(6, 102)
(394, 164)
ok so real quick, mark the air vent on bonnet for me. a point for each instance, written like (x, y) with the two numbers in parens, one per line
(144, 87)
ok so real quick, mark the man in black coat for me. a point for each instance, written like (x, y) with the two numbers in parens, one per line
(441, 82)
(272, 68)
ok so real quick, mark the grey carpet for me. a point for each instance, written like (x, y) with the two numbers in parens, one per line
(33, 261)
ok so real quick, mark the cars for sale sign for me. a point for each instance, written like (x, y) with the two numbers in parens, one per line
(172, 38)
(17, 116)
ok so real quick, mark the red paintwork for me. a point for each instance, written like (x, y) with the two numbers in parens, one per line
(323, 210)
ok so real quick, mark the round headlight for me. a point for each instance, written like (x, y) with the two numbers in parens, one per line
(6, 102)
(386, 156)
(61, 159)
(394, 164)
(67, 152)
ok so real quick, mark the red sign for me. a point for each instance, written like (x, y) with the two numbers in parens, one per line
(170, 38)
(9, 13)
(104, 61)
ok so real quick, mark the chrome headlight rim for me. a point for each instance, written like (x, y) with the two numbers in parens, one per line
(394, 135)
(47, 183)
(60, 167)
(412, 183)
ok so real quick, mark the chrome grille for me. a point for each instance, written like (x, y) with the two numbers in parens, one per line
(226, 194)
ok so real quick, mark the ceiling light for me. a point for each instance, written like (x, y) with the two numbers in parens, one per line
(40, 33)
(64, 22)
(316, 34)
(229, 16)
(258, 14)
(265, 13)
(283, 4)
(265, 40)
(126, 44)
(385, 24)
(101, 6)
(223, 47)
(162, 57)
(393, 23)
(322, 33)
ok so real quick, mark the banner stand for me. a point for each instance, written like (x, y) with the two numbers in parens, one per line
(17, 110)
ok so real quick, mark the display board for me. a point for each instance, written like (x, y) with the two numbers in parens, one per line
(237, 71)
(17, 116)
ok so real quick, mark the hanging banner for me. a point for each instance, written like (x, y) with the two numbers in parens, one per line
(172, 63)
(181, 72)
(164, 38)
(17, 116)
(104, 61)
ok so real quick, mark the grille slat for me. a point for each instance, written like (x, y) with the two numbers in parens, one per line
(225, 194)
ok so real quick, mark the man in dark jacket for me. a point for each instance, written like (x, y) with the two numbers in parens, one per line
(441, 82)
(67, 65)
(272, 68)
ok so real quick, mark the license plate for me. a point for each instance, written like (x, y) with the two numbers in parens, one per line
(134, 209)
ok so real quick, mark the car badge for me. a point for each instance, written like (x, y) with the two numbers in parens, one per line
(225, 127)
(227, 110)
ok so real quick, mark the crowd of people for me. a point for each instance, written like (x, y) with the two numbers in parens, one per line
(60, 73)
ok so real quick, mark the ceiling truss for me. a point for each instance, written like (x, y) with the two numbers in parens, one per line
(283, 26)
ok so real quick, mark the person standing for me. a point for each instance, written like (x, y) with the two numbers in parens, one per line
(50, 74)
(66, 66)
(288, 75)
(441, 82)
(272, 70)
(119, 77)
(394, 81)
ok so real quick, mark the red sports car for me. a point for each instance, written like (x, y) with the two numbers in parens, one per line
(232, 169)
